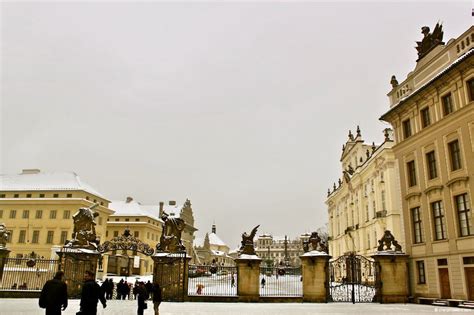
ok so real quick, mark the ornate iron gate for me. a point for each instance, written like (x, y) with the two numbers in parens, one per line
(170, 271)
(353, 278)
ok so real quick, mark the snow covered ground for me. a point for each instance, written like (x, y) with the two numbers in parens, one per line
(115, 307)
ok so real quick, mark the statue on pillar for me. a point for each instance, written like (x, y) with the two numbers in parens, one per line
(388, 240)
(83, 235)
(170, 240)
(247, 247)
(316, 243)
(430, 40)
(4, 235)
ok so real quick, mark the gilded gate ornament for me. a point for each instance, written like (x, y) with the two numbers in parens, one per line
(125, 242)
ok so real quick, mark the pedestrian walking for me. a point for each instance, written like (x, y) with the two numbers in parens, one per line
(232, 281)
(263, 282)
(54, 295)
(156, 298)
(90, 296)
(142, 296)
(149, 288)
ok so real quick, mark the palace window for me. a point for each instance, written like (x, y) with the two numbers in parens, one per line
(39, 214)
(25, 214)
(406, 128)
(431, 163)
(22, 236)
(12, 214)
(420, 267)
(136, 234)
(41, 195)
(438, 220)
(417, 227)
(69, 195)
(66, 214)
(63, 237)
(55, 195)
(411, 170)
(35, 238)
(470, 88)
(50, 237)
(115, 233)
(425, 117)
(464, 215)
(455, 155)
(10, 239)
(447, 102)
(1, 214)
(384, 207)
(52, 214)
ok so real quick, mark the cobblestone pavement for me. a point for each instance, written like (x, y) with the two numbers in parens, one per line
(114, 307)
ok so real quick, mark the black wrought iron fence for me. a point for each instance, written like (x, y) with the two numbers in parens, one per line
(27, 273)
(212, 280)
(281, 281)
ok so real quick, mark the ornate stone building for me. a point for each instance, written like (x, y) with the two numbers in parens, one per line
(144, 222)
(280, 251)
(432, 114)
(212, 249)
(366, 201)
(37, 208)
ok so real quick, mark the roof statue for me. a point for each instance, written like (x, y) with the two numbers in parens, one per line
(170, 240)
(388, 240)
(4, 235)
(394, 81)
(83, 235)
(247, 247)
(316, 243)
(430, 40)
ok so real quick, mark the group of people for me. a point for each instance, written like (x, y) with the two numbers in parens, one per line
(54, 298)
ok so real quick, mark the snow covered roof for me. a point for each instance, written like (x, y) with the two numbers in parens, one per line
(133, 208)
(38, 180)
(215, 240)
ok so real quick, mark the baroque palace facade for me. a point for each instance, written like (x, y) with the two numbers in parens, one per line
(366, 201)
(432, 113)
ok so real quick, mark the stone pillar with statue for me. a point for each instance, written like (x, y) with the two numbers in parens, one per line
(315, 275)
(4, 251)
(170, 261)
(392, 271)
(80, 253)
(248, 269)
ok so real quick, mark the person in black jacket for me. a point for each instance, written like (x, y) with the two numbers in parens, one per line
(54, 295)
(91, 294)
(142, 296)
(156, 298)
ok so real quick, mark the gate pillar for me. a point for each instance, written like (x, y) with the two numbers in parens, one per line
(74, 262)
(392, 277)
(170, 271)
(3, 257)
(315, 276)
(248, 278)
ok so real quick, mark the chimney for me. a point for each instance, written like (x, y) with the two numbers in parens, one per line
(129, 199)
(161, 208)
(30, 171)
(172, 203)
(214, 228)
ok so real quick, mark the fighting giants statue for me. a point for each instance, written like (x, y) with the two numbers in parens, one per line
(388, 239)
(247, 247)
(316, 243)
(170, 240)
(4, 235)
(84, 235)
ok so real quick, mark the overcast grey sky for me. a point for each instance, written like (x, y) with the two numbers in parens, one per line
(242, 107)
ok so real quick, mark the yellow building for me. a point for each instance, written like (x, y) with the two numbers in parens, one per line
(366, 202)
(37, 208)
(432, 114)
(144, 222)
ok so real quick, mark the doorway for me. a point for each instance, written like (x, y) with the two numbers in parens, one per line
(444, 283)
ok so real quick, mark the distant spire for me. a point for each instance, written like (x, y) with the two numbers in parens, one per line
(214, 228)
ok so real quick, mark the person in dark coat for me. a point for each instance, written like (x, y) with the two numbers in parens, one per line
(156, 298)
(149, 288)
(142, 296)
(110, 289)
(91, 294)
(54, 295)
